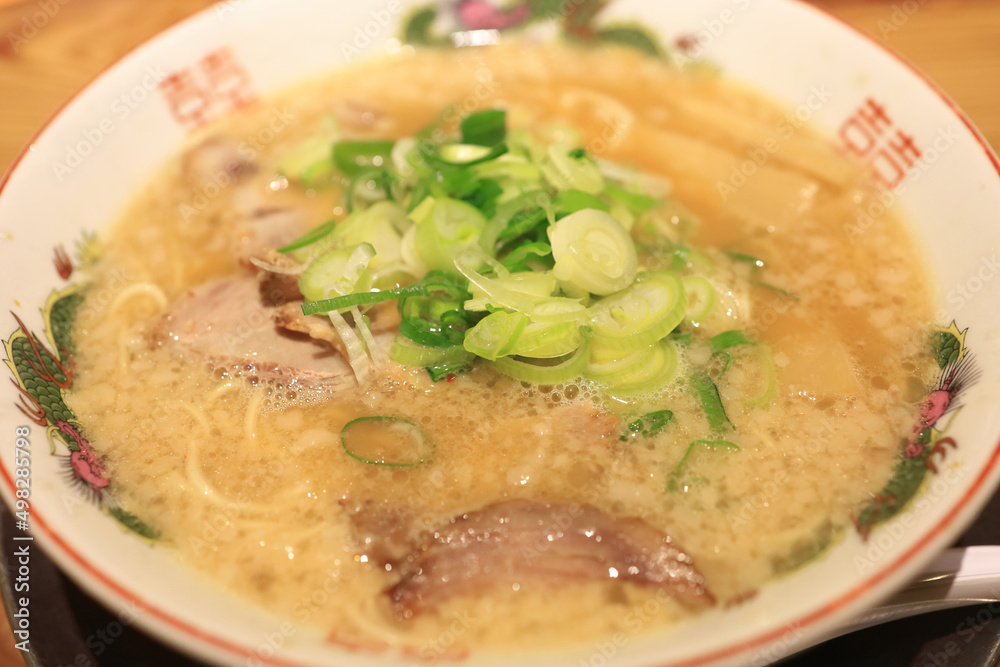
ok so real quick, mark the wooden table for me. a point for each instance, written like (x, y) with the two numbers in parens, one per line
(51, 48)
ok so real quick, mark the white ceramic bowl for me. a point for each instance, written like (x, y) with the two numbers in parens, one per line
(107, 142)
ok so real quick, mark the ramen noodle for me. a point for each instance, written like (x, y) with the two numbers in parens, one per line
(237, 460)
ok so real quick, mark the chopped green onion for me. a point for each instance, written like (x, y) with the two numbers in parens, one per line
(435, 320)
(445, 371)
(495, 335)
(433, 283)
(361, 299)
(642, 314)
(557, 309)
(377, 225)
(568, 202)
(711, 403)
(337, 271)
(606, 363)
(755, 262)
(771, 382)
(463, 153)
(593, 252)
(653, 370)
(310, 237)
(370, 185)
(486, 128)
(355, 157)
(680, 258)
(775, 288)
(310, 164)
(712, 444)
(701, 298)
(728, 339)
(635, 202)
(725, 341)
(556, 371)
(541, 340)
(407, 353)
(436, 157)
(509, 293)
(569, 170)
(510, 168)
(523, 256)
(387, 441)
(446, 230)
(512, 213)
(522, 215)
(648, 425)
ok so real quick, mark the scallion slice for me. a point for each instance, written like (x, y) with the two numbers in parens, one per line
(764, 356)
(755, 262)
(567, 169)
(636, 203)
(653, 370)
(387, 441)
(728, 339)
(496, 335)
(701, 298)
(547, 341)
(486, 128)
(407, 353)
(527, 256)
(310, 237)
(711, 403)
(556, 371)
(438, 156)
(568, 202)
(354, 158)
(337, 271)
(642, 314)
(711, 444)
(593, 252)
(446, 229)
(360, 299)
(648, 425)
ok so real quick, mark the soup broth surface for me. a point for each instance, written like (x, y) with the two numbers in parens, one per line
(248, 483)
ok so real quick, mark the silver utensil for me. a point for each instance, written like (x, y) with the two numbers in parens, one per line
(956, 578)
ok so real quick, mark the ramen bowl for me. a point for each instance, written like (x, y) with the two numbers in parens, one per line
(87, 163)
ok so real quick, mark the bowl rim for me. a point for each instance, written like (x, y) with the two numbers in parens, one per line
(165, 626)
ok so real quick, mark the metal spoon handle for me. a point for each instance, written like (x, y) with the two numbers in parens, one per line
(956, 578)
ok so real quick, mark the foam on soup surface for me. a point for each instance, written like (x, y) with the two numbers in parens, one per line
(240, 465)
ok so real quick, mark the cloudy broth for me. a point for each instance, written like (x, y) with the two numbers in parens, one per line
(246, 479)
